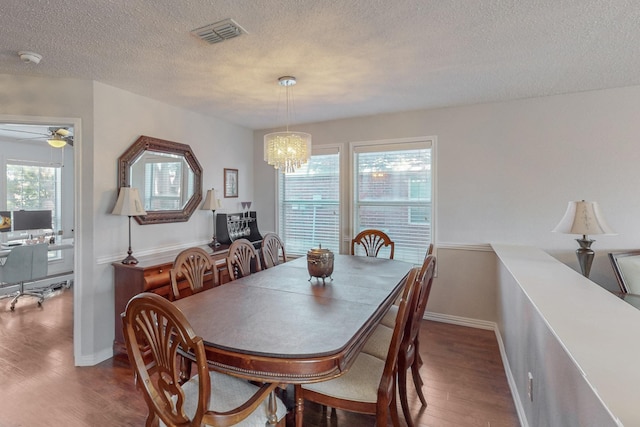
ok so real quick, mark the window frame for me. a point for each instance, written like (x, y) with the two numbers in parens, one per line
(347, 176)
(397, 144)
(325, 149)
(57, 218)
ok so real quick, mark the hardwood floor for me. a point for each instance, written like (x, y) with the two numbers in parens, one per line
(465, 384)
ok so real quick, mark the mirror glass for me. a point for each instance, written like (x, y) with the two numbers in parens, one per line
(167, 176)
(165, 181)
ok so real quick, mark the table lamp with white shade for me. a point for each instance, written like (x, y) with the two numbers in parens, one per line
(129, 204)
(584, 218)
(211, 203)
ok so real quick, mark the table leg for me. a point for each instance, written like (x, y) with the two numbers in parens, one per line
(299, 407)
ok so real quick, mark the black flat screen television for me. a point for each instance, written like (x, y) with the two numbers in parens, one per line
(31, 220)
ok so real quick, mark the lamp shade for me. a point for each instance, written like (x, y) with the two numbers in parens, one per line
(128, 203)
(583, 218)
(211, 202)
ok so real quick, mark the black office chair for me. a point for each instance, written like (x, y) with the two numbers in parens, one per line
(25, 263)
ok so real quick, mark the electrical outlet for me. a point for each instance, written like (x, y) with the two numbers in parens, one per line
(530, 386)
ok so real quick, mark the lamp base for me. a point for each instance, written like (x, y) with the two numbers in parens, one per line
(130, 259)
(585, 255)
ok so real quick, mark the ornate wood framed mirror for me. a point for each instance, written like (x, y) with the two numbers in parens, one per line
(167, 175)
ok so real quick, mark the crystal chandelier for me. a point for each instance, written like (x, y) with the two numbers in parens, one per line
(287, 150)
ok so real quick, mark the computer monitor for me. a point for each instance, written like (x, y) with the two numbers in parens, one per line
(32, 220)
(5, 221)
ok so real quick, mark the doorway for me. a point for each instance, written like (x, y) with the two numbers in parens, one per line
(48, 142)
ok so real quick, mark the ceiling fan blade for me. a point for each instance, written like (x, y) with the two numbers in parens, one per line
(42, 135)
(63, 132)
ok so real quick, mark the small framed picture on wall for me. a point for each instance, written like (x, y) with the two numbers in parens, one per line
(230, 182)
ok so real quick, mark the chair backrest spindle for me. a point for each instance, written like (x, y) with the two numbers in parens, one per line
(271, 247)
(372, 241)
(243, 259)
(192, 265)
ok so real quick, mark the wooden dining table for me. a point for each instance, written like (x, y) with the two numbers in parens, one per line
(281, 326)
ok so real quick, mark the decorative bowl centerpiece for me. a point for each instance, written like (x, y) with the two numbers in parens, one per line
(320, 263)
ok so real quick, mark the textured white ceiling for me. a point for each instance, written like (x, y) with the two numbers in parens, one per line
(351, 57)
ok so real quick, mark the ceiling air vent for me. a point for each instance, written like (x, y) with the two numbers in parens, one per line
(219, 31)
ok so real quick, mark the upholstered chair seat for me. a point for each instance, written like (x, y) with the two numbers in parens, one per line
(378, 343)
(227, 393)
(360, 384)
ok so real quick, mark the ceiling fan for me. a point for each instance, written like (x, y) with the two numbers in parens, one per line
(56, 136)
(59, 137)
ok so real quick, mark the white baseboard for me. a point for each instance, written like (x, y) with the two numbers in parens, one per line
(461, 321)
(512, 383)
(94, 359)
(492, 326)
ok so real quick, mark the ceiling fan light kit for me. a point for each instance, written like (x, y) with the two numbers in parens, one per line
(59, 137)
(57, 141)
(30, 57)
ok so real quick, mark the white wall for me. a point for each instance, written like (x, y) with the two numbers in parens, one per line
(120, 118)
(505, 174)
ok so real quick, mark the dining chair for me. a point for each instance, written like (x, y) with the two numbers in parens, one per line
(193, 265)
(372, 241)
(389, 318)
(409, 354)
(243, 259)
(209, 397)
(369, 386)
(272, 246)
(26, 263)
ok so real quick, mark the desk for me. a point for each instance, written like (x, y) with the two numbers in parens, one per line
(277, 326)
(4, 251)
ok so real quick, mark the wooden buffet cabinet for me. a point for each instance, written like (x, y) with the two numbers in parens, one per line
(152, 275)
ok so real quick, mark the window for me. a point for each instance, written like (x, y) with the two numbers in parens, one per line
(418, 188)
(34, 187)
(391, 190)
(309, 202)
(392, 193)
